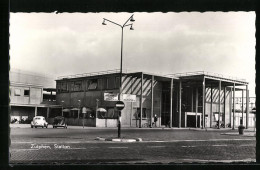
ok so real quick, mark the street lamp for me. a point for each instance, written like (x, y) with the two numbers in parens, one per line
(131, 19)
(79, 107)
(122, 27)
(62, 107)
(97, 100)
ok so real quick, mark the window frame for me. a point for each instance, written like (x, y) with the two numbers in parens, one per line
(16, 92)
(26, 90)
(91, 82)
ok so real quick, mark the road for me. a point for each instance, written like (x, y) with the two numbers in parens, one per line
(76, 145)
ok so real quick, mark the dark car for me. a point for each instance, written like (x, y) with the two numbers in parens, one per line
(59, 121)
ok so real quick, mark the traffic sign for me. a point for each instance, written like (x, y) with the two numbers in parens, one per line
(120, 105)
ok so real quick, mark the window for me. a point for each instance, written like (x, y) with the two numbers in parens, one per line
(26, 92)
(66, 114)
(63, 87)
(100, 84)
(117, 84)
(92, 84)
(111, 82)
(90, 114)
(105, 83)
(74, 114)
(138, 112)
(17, 92)
(72, 86)
(76, 86)
(110, 114)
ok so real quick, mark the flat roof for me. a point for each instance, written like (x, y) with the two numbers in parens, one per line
(116, 72)
(198, 75)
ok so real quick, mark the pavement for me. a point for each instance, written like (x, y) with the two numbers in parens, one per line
(136, 145)
(147, 137)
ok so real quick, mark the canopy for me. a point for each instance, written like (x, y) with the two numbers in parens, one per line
(86, 109)
(75, 109)
(101, 110)
(66, 110)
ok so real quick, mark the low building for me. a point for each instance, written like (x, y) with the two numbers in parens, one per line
(30, 95)
(198, 99)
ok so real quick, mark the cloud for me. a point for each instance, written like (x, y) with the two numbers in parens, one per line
(65, 44)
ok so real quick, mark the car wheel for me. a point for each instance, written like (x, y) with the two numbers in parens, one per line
(42, 126)
(31, 126)
(46, 126)
(35, 126)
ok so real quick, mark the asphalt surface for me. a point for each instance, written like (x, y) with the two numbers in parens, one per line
(78, 145)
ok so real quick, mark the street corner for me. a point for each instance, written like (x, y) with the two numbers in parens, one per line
(119, 139)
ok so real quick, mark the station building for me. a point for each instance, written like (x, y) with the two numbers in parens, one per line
(31, 94)
(197, 99)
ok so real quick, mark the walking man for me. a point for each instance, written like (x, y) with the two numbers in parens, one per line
(155, 120)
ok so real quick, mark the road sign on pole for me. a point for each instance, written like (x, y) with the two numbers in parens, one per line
(120, 105)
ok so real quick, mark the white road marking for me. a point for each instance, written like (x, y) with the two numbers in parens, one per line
(247, 145)
(45, 149)
(223, 161)
(208, 140)
(56, 142)
(117, 147)
(25, 149)
(218, 145)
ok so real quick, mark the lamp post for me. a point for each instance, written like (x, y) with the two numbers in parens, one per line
(121, 63)
(62, 107)
(97, 100)
(79, 108)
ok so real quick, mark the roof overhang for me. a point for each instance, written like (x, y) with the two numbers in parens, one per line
(214, 80)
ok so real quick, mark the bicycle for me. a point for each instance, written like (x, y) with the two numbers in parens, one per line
(221, 125)
(228, 125)
(146, 125)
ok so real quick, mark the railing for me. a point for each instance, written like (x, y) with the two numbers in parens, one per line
(90, 74)
(104, 72)
(178, 75)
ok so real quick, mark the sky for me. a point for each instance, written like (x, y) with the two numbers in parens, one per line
(161, 43)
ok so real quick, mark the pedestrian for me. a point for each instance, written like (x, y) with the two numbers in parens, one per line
(155, 120)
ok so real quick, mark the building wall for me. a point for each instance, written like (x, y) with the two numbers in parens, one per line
(75, 95)
(26, 94)
(18, 94)
(224, 118)
(130, 85)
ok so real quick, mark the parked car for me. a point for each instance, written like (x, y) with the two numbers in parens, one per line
(39, 121)
(59, 121)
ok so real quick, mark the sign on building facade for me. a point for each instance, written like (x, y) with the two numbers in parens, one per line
(129, 98)
(111, 96)
(124, 97)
